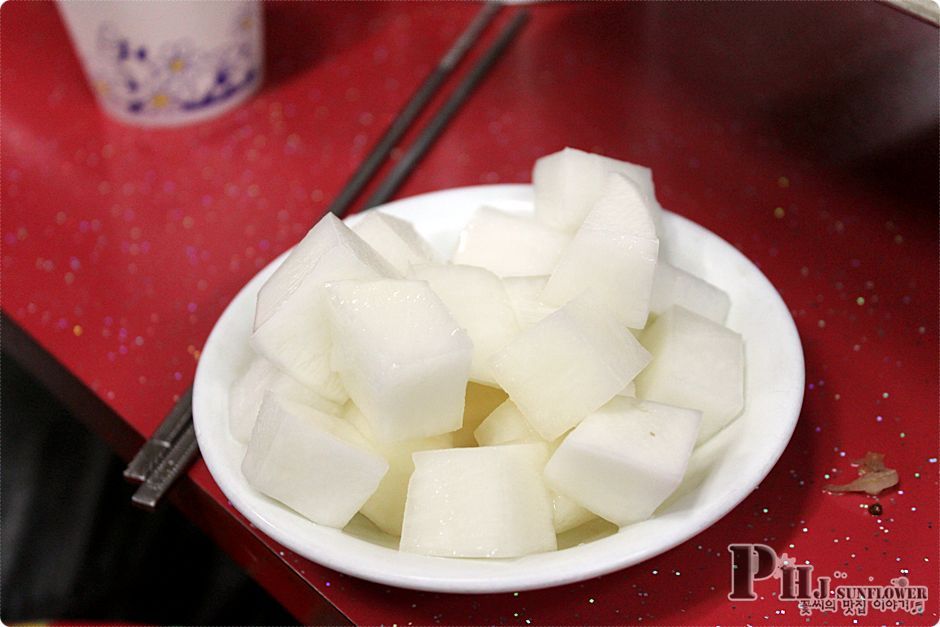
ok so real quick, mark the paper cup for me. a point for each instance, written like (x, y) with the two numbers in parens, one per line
(166, 63)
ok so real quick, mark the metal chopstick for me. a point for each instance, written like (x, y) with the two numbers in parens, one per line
(406, 164)
(415, 105)
(154, 449)
(177, 458)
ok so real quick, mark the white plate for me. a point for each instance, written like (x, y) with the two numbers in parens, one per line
(722, 473)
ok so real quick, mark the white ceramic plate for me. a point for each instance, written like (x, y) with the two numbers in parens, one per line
(722, 472)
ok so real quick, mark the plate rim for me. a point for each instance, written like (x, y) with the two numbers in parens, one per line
(497, 582)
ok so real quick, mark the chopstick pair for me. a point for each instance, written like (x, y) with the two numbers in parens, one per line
(164, 457)
(172, 447)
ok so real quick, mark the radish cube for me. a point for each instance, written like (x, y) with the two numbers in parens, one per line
(506, 425)
(400, 355)
(612, 256)
(525, 294)
(316, 464)
(480, 402)
(291, 327)
(509, 245)
(386, 506)
(622, 461)
(696, 363)
(395, 239)
(478, 302)
(479, 502)
(568, 183)
(248, 390)
(672, 286)
(568, 365)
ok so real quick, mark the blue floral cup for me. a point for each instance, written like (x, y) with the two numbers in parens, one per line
(167, 63)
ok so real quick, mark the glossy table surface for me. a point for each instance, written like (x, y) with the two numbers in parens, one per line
(803, 133)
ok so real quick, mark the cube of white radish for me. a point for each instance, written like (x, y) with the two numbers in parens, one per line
(315, 463)
(248, 390)
(395, 239)
(317, 245)
(612, 256)
(479, 502)
(386, 506)
(506, 425)
(622, 461)
(291, 326)
(525, 294)
(696, 363)
(480, 402)
(477, 300)
(568, 365)
(401, 356)
(509, 245)
(673, 286)
(568, 183)
(568, 514)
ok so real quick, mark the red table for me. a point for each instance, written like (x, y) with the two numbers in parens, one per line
(803, 133)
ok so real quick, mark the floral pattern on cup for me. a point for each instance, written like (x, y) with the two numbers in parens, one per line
(178, 77)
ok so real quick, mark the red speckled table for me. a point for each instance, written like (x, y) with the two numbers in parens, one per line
(803, 133)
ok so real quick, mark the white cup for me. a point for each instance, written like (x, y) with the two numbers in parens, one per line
(168, 62)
